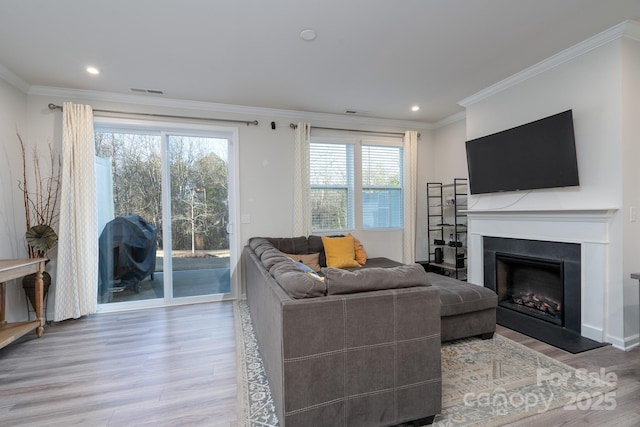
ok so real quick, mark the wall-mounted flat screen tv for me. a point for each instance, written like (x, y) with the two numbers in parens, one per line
(540, 154)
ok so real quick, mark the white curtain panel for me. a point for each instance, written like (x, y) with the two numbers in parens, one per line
(302, 187)
(77, 271)
(410, 195)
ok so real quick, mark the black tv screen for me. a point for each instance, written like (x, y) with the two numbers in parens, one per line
(540, 154)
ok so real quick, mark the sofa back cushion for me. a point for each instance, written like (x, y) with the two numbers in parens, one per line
(316, 246)
(291, 245)
(296, 282)
(271, 257)
(259, 245)
(340, 281)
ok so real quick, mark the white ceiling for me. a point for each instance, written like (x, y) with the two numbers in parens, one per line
(375, 56)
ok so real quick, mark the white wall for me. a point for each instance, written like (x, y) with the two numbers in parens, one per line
(631, 183)
(449, 154)
(12, 223)
(442, 157)
(265, 164)
(590, 86)
(604, 98)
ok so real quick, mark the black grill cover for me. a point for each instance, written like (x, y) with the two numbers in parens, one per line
(127, 251)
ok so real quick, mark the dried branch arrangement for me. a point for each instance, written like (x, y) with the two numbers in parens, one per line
(40, 202)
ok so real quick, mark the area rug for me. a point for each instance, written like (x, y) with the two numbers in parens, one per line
(484, 382)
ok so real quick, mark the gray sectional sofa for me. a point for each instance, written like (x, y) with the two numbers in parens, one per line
(362, 347)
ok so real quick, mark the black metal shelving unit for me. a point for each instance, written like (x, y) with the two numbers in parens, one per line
(447, 227)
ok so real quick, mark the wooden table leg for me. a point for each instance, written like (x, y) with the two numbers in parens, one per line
(39, 300)
(2, 300)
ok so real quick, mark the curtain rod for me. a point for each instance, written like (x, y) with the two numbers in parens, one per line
(166, 116)
(294, 126)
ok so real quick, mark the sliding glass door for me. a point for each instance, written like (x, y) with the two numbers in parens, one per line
(198, 172)
(165, 212)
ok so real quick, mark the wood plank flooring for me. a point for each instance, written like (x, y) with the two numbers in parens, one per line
(163, 367)
(176, 367)
(626, 398)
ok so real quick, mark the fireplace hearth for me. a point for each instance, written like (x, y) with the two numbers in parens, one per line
(539, 289)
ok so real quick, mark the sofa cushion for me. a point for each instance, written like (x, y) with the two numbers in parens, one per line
(291, 245)
(297, 283)
(339, 281)
(259, 245)
(310, 260)
(381, 262)
(340, 252)
(271, 257)
(457, 297)
(315, 245)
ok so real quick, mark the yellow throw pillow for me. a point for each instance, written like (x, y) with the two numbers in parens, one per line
(361, 254)
(340, 252)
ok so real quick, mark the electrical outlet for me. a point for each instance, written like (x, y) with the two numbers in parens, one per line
(245, 218)
(633, 214)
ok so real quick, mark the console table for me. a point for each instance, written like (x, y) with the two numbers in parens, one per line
(14, 269)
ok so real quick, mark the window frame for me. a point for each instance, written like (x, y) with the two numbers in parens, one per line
(400, 187)
(358, 186)
(350, 186)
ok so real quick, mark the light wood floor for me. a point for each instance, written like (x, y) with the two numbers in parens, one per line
(161, 367)
(625, 365)
(176, 367)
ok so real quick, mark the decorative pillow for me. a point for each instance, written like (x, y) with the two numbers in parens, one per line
(361, 254)
(303, 267)
(373, 279)
(309, 271)
(340, 252)
(310, 260)
(315, 245)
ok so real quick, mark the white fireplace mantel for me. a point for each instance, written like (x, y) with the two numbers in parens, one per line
(587, 227)
(597, 215)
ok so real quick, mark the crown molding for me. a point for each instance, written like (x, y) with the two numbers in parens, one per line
(624, 29)
(13, 79)
(462, 115)
(632, 30)
(153, 101)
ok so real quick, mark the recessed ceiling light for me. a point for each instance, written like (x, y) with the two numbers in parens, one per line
(308, 35)
(92, 70)
(415, 108)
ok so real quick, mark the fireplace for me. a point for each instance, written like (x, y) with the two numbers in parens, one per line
(531, 286)
(593, 233)
(538, 285)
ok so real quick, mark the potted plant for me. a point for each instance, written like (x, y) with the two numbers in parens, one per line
(41, 213)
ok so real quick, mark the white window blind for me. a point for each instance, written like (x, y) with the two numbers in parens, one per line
(331, 179)
(382, 177)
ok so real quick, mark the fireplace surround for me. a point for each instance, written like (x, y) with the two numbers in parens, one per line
(595, 230)
(538, 285)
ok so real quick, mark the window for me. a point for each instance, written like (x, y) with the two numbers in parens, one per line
(336, 196)
(381, 186)
(331, 179)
